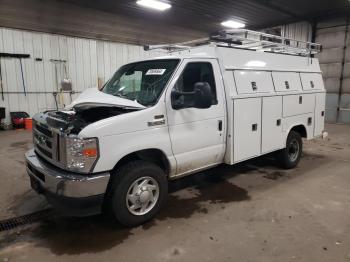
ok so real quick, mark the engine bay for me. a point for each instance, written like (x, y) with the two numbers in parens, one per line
(73, 121)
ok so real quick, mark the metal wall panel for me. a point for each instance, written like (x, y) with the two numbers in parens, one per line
(331, 39)
(332, 100)
(330, 55)
(335, 63)
(332, 84)
(87, 61)
(301, 31)
(346, 73)
(335, 67)
(331, 70)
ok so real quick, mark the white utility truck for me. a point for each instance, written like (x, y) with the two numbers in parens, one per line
(231, 97)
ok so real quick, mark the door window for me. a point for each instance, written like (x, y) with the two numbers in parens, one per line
(193, 73)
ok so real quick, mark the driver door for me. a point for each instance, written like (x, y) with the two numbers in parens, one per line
(197, 135)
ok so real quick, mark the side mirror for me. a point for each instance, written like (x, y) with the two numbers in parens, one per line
(201, 97)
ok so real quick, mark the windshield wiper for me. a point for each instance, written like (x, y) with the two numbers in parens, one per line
(122, 96)
(128, 98)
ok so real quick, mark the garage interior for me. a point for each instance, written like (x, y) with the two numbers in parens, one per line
(253, 211)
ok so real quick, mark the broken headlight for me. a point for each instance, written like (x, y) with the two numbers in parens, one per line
(82, 153)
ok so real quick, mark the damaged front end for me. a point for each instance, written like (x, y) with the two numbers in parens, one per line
(73, 121)
(56, 135)
(91, 106)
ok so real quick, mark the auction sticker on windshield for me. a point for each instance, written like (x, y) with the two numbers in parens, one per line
(155, 71)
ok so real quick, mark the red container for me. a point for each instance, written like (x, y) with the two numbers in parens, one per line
(18, 122)
(28, 123)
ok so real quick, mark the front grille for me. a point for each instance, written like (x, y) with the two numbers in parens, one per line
(47, 144)
(42, 140)
(44, 152)
(44, 130)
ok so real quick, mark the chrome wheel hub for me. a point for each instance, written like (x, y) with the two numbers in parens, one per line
(142, 196)
(293, 150)
(145, 196)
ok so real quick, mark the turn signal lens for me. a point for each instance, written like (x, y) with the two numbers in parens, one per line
(82, 153)
(90, 152)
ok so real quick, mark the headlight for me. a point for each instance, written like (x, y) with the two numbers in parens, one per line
(81, 153)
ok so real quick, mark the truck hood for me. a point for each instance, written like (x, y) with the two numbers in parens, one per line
(92, 97)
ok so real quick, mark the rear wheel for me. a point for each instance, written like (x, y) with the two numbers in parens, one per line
(138, 191)
(289, 157)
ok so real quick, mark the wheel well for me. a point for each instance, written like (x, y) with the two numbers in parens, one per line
(155, 156)
(301, 130)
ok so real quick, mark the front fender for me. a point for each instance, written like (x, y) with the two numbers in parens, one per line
(114, 147)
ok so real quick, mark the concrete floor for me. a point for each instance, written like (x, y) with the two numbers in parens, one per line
(249, 212)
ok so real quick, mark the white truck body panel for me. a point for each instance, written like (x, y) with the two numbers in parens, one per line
(311, 81)
(298, 104)
(128, 133)
(319, 113)
(286, 81)
(196, 141)
(247, 129)
(93, 97)
(272, 134)
(261, 97)
(253, 82)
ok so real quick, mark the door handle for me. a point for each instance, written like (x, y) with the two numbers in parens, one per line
(220, 125)
(309, 121)
(254, 127)
(156, 122)
(278, 123)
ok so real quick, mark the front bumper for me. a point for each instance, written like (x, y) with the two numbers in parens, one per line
(72, 193)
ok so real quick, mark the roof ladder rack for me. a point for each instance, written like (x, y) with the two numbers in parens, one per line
(247, 39)
(178, 46)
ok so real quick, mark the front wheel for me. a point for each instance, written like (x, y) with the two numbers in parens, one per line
(289, 157)
(138, 191)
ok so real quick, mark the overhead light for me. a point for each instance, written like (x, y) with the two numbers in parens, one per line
(154, 4)
(233, 24)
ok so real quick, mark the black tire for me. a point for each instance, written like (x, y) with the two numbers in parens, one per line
(289, 157)
(121, 182)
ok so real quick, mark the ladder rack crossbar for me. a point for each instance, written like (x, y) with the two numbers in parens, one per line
(248, 39)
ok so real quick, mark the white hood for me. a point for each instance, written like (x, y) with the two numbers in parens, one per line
(92, 97)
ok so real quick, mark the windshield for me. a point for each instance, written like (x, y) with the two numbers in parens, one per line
(141, 81)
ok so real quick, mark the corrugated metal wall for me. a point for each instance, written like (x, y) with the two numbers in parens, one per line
(334, 59)
(301, 31)
(87, 61)
(335, 64)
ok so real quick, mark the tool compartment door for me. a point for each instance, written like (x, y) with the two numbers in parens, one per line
(311, 81)
(251, 82)
(272, 134)
(319, 113)
(298, 104)
(286, 81)
(247, 128)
